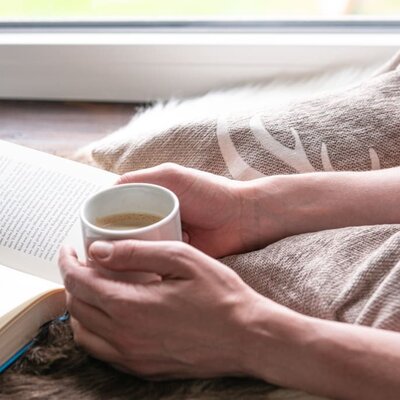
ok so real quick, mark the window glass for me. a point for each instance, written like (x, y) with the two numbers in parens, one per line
(195, 9)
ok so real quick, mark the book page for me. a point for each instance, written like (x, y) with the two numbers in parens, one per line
(40, 199)
(17, 289)
(26, 303)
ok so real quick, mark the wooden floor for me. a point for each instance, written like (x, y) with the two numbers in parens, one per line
(60, 127)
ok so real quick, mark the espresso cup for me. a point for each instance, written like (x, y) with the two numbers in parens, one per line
(140, 198)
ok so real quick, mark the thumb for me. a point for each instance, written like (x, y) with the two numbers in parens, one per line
(168, 175)
(165, 258)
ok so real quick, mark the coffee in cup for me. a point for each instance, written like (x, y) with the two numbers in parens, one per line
(131, 211)
(127, 221)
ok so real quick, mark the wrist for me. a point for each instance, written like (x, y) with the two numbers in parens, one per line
(286, 205)
(275, 340)
(322, 357)
(265, 207)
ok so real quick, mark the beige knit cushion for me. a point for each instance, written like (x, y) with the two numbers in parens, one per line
(353, 129)
(349, 275)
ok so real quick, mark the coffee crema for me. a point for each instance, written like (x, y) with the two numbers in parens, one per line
(127, 221)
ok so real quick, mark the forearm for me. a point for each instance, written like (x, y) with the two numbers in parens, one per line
(326, 358)
(318, 201)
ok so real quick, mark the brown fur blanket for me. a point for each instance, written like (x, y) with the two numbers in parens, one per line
(55, 368)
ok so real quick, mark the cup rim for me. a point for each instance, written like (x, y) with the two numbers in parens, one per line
(113, 232)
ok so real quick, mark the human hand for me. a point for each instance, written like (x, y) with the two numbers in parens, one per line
(192, 323)
(217, 217)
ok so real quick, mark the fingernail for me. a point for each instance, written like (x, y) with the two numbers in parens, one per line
(101, 250)
(185, 237)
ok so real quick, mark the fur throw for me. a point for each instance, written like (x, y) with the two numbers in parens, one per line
(57, 369)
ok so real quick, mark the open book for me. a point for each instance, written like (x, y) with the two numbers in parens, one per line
(40, 198)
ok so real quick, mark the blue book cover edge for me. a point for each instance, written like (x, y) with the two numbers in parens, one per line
(16, 356)
(25, 348)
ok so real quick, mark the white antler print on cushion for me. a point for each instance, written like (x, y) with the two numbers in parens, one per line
(297, 157)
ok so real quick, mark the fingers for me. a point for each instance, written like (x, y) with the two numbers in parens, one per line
(93, 318)
(170, 175)
(93, 344)
(169, 259)
(164, 175)
(86, 284)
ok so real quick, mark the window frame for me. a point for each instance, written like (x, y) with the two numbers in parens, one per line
(349, 24)
(149, 60)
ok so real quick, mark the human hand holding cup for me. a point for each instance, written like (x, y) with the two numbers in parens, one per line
(118, 213)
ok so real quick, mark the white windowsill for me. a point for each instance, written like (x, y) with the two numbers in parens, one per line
(143, 66)
(62, 38)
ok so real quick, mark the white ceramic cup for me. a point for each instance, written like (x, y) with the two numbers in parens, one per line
(131, 198)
